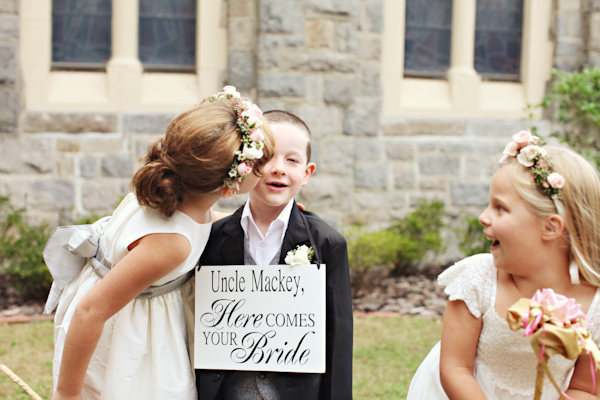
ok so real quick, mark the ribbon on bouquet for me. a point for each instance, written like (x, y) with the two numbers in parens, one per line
(554, 325)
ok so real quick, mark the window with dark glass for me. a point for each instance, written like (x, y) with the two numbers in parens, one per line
(427, 37)
(498, 30)
(81, 33)
(167, 34)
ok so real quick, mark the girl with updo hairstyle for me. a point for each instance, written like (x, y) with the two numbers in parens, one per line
(121, 324)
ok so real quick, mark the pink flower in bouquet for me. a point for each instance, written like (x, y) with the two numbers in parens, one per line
(522, 138)
(558, 307)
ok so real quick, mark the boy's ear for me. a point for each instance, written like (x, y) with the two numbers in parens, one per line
(310, 169)
(554, 227)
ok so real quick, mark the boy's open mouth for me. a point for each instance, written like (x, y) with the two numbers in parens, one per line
(277, 185)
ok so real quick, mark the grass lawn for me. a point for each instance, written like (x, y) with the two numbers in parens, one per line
(387, 351)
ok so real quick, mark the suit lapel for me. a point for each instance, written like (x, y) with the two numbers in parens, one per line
(295, 234)
(232, 247)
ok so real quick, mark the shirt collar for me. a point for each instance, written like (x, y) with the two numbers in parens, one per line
(283, 218)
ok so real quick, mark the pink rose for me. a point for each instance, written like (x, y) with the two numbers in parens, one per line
(557, 306)
(556, 180)
(257, 135)
(253, 114)
(230, 90)
(244, 169)
(522, 138)
(511, 149)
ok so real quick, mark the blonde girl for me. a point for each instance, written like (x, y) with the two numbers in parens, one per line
(543, 220)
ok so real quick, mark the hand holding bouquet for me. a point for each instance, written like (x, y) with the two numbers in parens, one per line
(554, 324)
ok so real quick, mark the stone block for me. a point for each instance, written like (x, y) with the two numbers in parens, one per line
(9, 6)
(501, 128)
(65, 168)
(9, 27)
(433, 184)
(88, 167)
(319, 193)
(340, 90)
(439, 165)
(100, 195)
(362, 118)
(379, 201)
(117, 166)
(43, 194)
(404, 176)
(240, 8)
(294, 41)
(70, 145)
(69, 122)
(418, 198)
(457, 147)
(339, 157)
(399, 126)
(240, 70)
(594, 5)
(565, 65)
(146, 123)
(316, 155)
(374, 14)
(245, 34)
(320, 34)
(8, 64)
(329, 62)
(347, 37)
(368, 150)
(323, 121)
(281, 16)
(369, 48)
(102, 145)
(281, 85)
(371, 176)
(569, 5)
(268, 55)
(427, 146)
(482, 167)
(594, 31)
(399, 150)
(370, 82)
(469, 193)
(566, 48)
(339, 7)
(25, 155)
(9, 110)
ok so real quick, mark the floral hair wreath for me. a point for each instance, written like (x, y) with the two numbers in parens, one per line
(527, 149)
(249, 123)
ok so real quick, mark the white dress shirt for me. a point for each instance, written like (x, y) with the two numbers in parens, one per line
(263, 248)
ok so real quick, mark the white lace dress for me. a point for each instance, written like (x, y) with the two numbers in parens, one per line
(143, 350)
(505, 364)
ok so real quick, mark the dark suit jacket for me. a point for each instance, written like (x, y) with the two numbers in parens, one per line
(226, 247)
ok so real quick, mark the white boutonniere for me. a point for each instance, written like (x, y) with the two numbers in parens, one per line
(301, 255)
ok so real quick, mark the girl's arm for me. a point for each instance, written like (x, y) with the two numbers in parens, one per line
(581, 383)
(460, 336)
(153, 257)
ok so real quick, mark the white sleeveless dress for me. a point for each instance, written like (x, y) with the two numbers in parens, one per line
(505, 364)
(143, 350)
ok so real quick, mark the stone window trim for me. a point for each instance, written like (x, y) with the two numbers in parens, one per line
(123, 86)
(464, 93)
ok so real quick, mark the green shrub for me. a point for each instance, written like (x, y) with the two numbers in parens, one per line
(21, 246)
(472, 239)
(576, 98)
(400, 247)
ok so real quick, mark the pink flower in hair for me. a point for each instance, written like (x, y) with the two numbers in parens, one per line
(556, 180)
(257, 135)
(244, 169)
(511, 149)
(522, 138)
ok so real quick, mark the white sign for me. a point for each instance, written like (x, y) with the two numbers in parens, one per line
(260, 318)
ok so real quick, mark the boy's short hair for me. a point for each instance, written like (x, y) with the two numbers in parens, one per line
(284, 117)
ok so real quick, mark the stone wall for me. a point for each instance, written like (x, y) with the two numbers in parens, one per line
(320, 59)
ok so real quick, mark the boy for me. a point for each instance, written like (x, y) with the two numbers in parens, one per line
(262, 232)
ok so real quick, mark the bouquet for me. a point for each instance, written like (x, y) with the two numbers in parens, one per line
(554, 324)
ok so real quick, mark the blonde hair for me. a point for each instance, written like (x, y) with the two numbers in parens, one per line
(194, 156)
(579, 207)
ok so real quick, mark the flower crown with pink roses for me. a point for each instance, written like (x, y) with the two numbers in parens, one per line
(249, 123)
(527, 149)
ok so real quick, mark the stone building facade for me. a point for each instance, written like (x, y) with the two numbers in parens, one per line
(69, 145)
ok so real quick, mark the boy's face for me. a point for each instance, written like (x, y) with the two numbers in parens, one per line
(287, 171)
